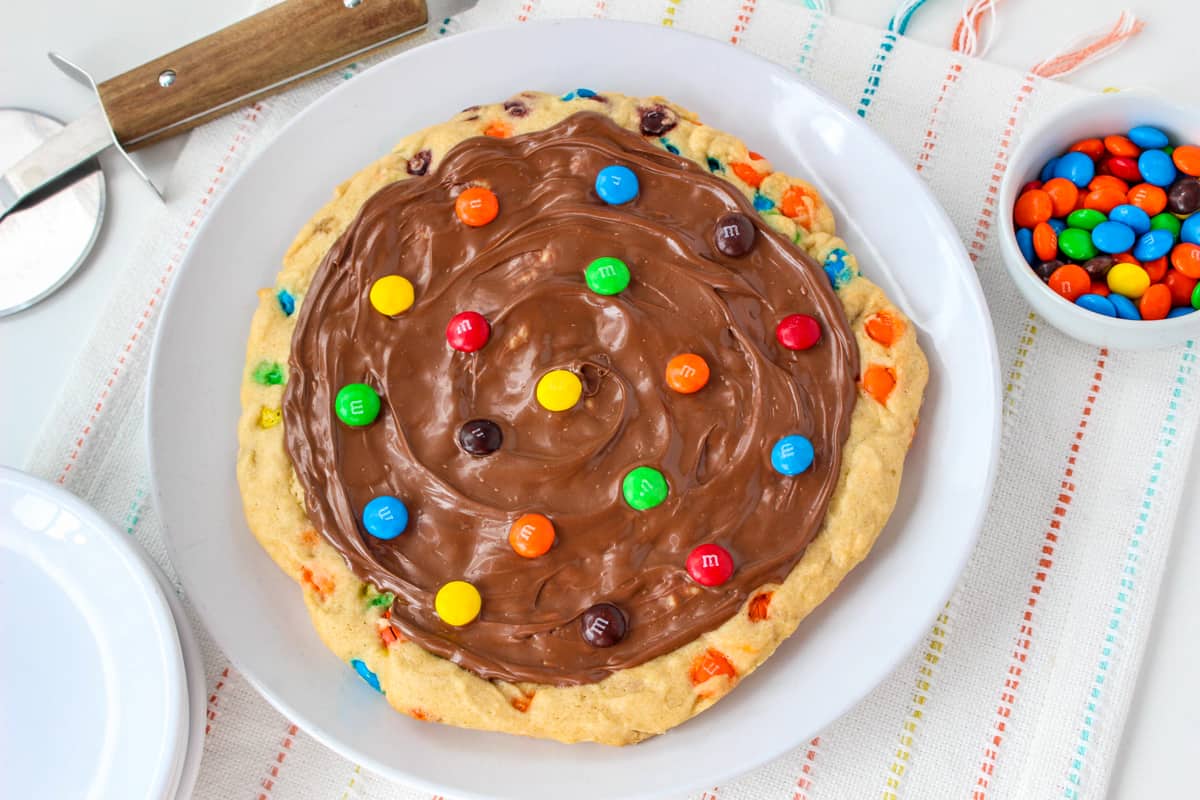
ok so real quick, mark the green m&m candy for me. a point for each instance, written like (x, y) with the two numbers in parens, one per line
(1085, 218)
(1077, 244)
(1166, 222)
(268, 373)
(644, 487)
(356, 405)
(607, 275)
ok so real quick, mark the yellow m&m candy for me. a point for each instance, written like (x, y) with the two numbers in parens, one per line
(457, 603)
(391, 295)
(1128, 280)
(559, 389)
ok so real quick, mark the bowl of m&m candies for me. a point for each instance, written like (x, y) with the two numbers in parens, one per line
(1100, 213)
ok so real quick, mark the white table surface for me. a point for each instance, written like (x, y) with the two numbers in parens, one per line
(38, 346)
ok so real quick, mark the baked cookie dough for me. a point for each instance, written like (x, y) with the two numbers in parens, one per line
(637, 429)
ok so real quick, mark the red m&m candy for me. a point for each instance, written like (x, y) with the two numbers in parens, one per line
(468, 331)
(1125, 168)
(798, 331)
(710, 565)
(1180, 286)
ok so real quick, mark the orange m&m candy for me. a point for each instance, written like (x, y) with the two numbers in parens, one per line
(1186, 258)
(1063, 195)
(1033, 207)
(498, 130)
(1187, 159)
(687, 373)
(884, 328)
(879, 381)
(798, 204)
(1148, 197)
(1092, 148)
(477, 206)
(1045, 241)
(1121, 146)
(1105, 199)
(1108, 181)
(1070, 281)
(747, 173)
(1155, 302)
(531, 535)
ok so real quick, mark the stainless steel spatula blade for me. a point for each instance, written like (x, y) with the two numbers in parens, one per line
(46, 238)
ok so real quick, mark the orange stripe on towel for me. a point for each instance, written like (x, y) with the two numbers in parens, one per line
(1044, 565)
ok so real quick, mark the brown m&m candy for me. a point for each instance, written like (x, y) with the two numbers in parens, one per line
(1097, 268)
(480, 437)
(734, 234)
(1045, 269)
(1184, 196)
(658, 120)
(516, 108)
(603, 625)
(419, 163)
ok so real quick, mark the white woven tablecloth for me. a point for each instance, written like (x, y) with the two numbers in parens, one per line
(1021, 687)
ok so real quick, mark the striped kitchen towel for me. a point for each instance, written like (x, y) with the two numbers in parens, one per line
(1022, 684)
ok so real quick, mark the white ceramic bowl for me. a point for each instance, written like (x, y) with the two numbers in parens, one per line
(1100, 115)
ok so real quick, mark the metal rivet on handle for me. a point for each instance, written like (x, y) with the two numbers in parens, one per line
(166, 78)
(351, 3)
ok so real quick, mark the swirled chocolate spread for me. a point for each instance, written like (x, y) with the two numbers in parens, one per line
(524, 272)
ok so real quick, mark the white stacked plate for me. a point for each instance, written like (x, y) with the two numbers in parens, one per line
(103, 690)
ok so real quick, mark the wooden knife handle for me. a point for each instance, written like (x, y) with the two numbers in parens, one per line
(258, 56)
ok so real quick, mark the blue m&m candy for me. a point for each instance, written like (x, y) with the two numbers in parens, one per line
(1097, 304)
(1075, 167)
(616, 185)
(1113, 237)
(1190, 230)
(1181, 311)
(1132, 216)
(1146, 137)
(365, 673)
(385, 517)
(287, 303)
(792, 455)
(1058, 225)
(1154, 244)
(1048, 170)
(1157, 167)
(1025, 243)
(1123, 306)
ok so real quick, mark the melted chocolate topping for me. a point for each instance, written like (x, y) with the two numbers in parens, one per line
(524, 273)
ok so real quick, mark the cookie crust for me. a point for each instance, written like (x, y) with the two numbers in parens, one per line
(633, 704)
